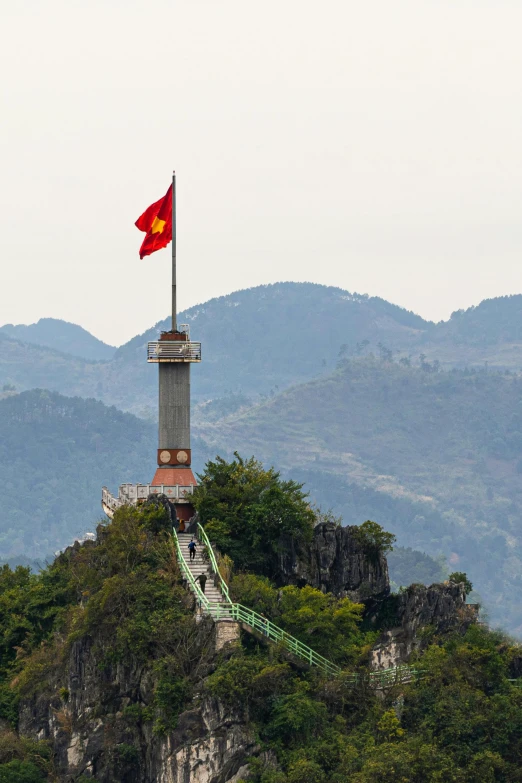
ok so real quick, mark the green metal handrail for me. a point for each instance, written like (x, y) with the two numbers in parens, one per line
(187, 573)
(213, 561)
(264, 626)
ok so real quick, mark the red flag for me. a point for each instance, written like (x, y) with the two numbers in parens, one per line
(156, 221)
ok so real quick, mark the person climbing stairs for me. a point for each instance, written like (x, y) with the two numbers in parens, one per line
(200, 565)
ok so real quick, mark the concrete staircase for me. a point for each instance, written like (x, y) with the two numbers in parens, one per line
(200, 565)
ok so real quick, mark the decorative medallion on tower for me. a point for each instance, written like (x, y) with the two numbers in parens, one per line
(174, 456)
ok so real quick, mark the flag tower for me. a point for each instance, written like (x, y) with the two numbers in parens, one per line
(174, 352)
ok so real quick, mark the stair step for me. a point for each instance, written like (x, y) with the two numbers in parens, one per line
(201, 565)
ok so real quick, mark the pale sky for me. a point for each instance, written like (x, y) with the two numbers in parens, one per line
(375, 146)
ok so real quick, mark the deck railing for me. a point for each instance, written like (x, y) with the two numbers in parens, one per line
(132, 494)
(173, 351)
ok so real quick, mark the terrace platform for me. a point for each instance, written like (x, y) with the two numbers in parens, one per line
(136, 494)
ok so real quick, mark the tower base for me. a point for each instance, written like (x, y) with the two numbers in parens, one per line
(172, 477)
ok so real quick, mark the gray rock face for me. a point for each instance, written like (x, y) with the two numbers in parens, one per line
(441, 607)
(91, 715)
(335, 562)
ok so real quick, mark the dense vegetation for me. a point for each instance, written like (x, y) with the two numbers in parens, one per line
(460, 723)
(436, 456)
(125, 593)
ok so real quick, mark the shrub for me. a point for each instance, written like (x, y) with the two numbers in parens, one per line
(304, 771)
(233, 681)
(296, 719)
(257, 592)
(170, 696)
(17, 771)
(328, 624)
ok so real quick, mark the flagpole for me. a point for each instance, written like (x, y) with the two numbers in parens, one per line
(174, 323)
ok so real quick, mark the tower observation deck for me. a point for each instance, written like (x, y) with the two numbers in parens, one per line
(173, 352)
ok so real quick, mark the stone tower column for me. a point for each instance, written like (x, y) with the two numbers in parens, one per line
(174, 407)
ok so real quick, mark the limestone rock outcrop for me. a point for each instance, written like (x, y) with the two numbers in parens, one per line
(91, 715)
(335, 562)
(440, 607)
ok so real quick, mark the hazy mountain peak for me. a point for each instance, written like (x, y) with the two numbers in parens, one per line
(61, 336)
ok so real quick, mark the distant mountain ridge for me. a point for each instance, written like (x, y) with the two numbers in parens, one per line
(264, 339)
(492, 322)
(326, 308)
(61, 336)
(56, 452)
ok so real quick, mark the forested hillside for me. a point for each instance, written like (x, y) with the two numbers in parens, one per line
(437, 456)
(492, 322)
(55, 455)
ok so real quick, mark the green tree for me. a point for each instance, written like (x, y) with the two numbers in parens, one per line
(257, 592)
(305, 771)
(373, 538)
(20, 772)
(296, 719)
(328, 624)
(461, 578)
(389, 727)
(248, 511)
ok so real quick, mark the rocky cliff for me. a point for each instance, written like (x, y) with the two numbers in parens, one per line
(336, 562)
(439, 608)
(95, 717)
